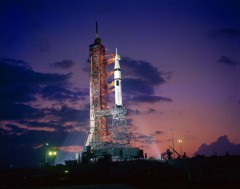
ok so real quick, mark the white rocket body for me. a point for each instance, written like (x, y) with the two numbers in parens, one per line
(117, 81)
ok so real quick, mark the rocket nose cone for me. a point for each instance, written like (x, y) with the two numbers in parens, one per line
(117, 55)
(117, 58)
(116, 65)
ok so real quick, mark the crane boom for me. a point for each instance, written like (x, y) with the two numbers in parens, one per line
(174, 150)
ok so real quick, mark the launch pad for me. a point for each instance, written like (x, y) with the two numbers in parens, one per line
(103, 141)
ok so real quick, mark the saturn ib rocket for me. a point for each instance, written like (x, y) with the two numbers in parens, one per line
(117, 81)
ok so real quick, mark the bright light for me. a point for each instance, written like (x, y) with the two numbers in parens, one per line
(66, 171)
(52, 153)
(180, 142)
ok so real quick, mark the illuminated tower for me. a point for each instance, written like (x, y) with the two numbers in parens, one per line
(114, 141)
(98, 94)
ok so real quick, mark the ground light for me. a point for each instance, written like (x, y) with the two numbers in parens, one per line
(180, 142)
(52, 153)
(51, 156)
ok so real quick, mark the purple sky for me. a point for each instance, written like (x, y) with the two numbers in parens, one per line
(180, 63)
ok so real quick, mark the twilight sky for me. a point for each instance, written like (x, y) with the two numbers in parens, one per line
(180, 65)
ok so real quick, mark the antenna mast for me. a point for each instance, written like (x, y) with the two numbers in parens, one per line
(96, 29)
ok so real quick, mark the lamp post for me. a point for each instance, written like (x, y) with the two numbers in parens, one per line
(173, 144)
(46, 144)
(52, 154)
(180, 142)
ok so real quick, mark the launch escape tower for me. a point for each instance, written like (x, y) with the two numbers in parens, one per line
(102, 139)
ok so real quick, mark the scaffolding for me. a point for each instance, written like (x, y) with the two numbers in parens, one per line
(98, 96)
(119, 132)
(100, 136)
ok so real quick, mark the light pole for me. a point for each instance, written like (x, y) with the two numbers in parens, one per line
(173, 144)
(52, 155)
(180, 142)
(46, 152)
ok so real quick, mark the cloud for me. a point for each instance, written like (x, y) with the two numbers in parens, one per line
(138, 112)
(64, 64)
(228, 61)
(133, 86)
(66, 114)
(225, 33)
(143, 70)
(27, 121)
(16, 111)
(151, 110)
(72, 148)
(134, 112)
(146, 139)
(52, 92)
(158, 132)
(219, 147)
(64, 119)
(28, 104)
(140, 79)
(142, 138)
(14, 129)
(19, 83)
(149, 99)
(26, 128)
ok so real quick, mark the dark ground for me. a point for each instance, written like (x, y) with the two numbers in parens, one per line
(194, 173)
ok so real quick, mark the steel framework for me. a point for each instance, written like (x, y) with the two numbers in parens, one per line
(98, 95)
(100, 136)
(119, 132)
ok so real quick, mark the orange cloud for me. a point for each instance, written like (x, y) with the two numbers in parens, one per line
(38, 146)
(49, 129)
(72, 148)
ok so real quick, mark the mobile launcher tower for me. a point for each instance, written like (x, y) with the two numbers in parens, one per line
(103, 141)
